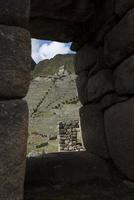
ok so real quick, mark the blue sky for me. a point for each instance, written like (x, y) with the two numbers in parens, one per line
(43, 49)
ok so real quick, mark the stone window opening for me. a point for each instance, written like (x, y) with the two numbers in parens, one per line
(102, 35)
(53, 100)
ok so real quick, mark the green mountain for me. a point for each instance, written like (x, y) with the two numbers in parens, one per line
(50, 67)
(52, 98)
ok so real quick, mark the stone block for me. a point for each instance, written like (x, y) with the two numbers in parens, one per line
(100, 84)
(66, 168)
(81, 82)
(119, 126)
(75, 11)
(110, 99)
(93, 132)
(13, 143)
(99, 64)
(119, 42)
(85, 58)
(122, 6)
(15, 13)
(85, 34)
(15, 62)
(104, 11)
(124, 77)
(50, 29)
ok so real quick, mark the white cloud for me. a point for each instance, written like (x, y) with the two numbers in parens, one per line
(45, 50)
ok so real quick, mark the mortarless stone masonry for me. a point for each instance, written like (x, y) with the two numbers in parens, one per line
(93, 131)
(68, 136)
(104, 65)
(15, 13)
(15, 62)
(119, 125)
(105, 85)
(119, 42)
(13, 142)
(15, 66)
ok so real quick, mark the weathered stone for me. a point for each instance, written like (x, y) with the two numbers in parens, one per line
(124, 77)
(86, 34)
(85, 58)
(100, 84)
(81, 82)
(93, 132)
(15, 62)
(13, 142)
(119, 126)
(68, 141)
(99, 64)
(49, 29)
(61, 131)
(119, 42)
(105, 29)
(110, 99)
(103, 12)
(66, 168)
(15, 13)
(68, 10)
(122, 6)
(57, 20)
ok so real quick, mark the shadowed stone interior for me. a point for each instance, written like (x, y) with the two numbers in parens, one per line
(66, 17)
(102, 34)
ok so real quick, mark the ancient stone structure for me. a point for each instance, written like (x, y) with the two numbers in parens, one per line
(104, 65)
(68, 136)
(102, 33)
(15, 67)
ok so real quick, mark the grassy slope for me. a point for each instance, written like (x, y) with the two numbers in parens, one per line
(58, 102)
(50, 67)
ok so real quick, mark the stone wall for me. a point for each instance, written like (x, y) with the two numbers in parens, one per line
(15, 65)
(68, 136)
(103, 36)
(105, 68)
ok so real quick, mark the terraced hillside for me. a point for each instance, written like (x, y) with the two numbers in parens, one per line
(52, 98)
(50, 67)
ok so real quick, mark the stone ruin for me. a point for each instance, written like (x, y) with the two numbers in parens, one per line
(68, 136)
(102, 34)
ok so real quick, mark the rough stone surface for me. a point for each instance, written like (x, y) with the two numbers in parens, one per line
(119, 42)
(57, 20)
(69, 10)
(65, 168)
(99, 64)
(119, 126)
(15, 62)
(68, 136)
(110, 99)
(122, 6)
(15, 13)
(85, 58)
(100, 84)
(81, 83)
(124, 77)
(93, 132)
(104, 10)
(50, 29)
(13, 141)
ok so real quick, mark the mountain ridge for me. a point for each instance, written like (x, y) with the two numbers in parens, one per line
(52, 98)
(50, 67)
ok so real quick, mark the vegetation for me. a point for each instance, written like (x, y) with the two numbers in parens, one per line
(50, 67)
(51, 98)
